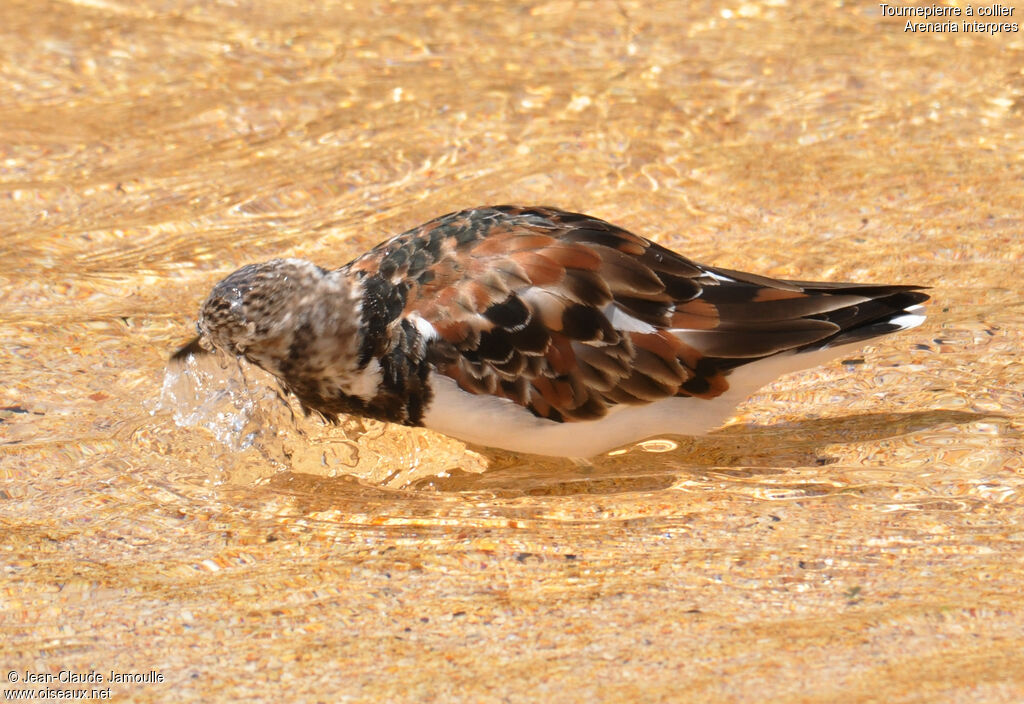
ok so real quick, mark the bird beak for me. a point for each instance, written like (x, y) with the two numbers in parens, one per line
(193, 348)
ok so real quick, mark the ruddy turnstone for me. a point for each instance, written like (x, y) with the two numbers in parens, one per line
(536, 330)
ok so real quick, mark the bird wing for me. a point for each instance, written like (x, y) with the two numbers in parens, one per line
(568, 315)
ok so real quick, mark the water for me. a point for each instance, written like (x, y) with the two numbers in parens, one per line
(852, 534)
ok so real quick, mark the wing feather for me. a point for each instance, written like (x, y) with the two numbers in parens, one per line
(569, 315)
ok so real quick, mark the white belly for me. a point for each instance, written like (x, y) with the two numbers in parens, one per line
(497, 422)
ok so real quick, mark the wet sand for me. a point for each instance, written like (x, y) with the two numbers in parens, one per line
(854, 533)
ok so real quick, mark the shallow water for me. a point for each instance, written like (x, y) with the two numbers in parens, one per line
(853, 534)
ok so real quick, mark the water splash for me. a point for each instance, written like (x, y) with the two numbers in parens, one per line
(254, 419)
(213, 391)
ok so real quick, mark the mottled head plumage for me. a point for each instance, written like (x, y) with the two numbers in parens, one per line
(258, 304)
(307, 326)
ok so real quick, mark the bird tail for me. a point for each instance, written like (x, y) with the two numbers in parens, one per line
(887, 309)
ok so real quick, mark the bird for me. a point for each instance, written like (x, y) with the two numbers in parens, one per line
(535, 330)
